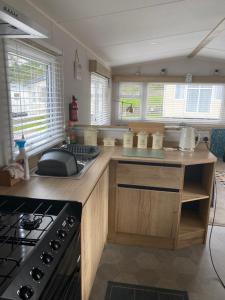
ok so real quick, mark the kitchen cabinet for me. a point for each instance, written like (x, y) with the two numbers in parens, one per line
(163, 205)
(146, 212)
(149, 174)
(94, 229)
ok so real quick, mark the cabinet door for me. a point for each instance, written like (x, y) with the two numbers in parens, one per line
(146, 212)
(94, 228)
(164, 213)
(133, 208)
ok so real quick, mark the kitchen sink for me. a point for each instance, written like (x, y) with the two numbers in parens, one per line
(83, 166)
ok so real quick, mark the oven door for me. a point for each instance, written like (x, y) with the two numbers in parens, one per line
(65, 282)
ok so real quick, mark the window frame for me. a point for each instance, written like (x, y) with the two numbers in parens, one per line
(106, 103)
(199, 89)
(170, 121)
(34, 54)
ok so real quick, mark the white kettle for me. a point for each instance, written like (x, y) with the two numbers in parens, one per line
(188, 139)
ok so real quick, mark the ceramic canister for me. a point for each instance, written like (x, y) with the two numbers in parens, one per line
(157, 141)
(109, 141)
(142, 140)
(128, 139)
(90, 136)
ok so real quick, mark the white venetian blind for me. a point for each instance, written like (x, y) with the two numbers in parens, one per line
(35, 96)
(171, 102)
(100, 100)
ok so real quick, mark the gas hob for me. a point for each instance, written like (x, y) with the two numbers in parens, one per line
(34, 234)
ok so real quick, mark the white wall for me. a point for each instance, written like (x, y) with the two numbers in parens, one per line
(68, 45)
(177, 66)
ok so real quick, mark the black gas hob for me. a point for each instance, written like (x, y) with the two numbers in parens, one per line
(36, 236)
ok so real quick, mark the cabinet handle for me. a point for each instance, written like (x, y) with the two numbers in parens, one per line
(150, 188)
(149, 164)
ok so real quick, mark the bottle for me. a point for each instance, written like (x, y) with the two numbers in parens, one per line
(73, 108)
(22, 157)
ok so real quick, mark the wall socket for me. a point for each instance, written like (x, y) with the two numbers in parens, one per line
(204, 134)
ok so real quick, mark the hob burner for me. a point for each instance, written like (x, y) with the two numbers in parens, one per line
(29, 223)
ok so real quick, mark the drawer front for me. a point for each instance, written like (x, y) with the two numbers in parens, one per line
(153, 175)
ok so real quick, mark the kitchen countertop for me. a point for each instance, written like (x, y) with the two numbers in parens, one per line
(80, 190)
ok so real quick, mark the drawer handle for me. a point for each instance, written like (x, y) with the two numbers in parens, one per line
(150, 188)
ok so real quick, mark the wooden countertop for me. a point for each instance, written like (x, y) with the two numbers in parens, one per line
(80, 190)
(172, 157)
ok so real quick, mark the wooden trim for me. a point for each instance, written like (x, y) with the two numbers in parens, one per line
(208, 38)
(141, 240)
(96, 67)
(168, 79)
(43, 46)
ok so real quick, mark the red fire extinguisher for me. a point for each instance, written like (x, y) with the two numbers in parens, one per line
(73, 108)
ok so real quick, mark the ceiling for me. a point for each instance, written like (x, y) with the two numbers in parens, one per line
(131, 31)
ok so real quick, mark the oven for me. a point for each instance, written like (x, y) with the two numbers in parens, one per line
(40, 248)
(65, 284)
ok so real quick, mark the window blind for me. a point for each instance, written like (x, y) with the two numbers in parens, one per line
(171, 102)
(35, 94)
(100, 100)
(5, 141)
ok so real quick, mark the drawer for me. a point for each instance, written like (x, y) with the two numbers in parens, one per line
(153, 175)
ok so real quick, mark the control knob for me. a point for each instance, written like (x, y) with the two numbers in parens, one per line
(47, 258)
(25, 292)
(71, 220)
(55, 244)
(37, 274)
(61, 234)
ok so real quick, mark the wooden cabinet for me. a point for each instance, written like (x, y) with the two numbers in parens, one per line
(159, 205)
(133, 207)
(164, 212)
(94, 229)
(146, 212)
(150, 174)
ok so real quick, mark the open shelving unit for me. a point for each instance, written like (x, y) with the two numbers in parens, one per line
(195, 204)
(194, 191)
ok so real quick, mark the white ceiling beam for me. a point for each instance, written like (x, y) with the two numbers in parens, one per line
(220, 27)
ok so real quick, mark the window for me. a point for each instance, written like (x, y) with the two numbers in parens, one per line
(171, 102)
(35, 96)
(130, 100)
(180, 88)
(100, 100)
(199, 99)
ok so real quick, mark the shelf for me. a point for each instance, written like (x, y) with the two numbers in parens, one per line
(191, 225)
(193, 191)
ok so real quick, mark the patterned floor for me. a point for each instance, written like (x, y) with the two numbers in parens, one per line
(220, 188)
(220, 176)
(186, 270)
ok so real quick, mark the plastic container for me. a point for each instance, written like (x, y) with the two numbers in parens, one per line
(128, 139)
(90, 136)
(157, 141)
(142, 140)
(22, 158)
